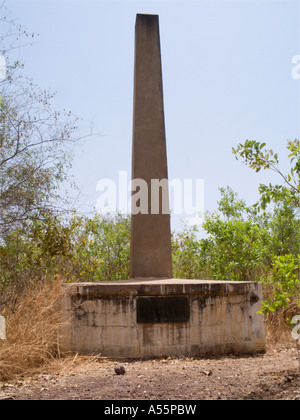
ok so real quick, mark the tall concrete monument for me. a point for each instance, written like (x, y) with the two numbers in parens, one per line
(153, 314)
(151, 254)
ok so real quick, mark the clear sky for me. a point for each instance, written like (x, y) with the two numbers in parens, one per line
(227, 70)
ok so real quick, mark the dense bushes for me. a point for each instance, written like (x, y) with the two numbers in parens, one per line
(245, 245)
(78, 249)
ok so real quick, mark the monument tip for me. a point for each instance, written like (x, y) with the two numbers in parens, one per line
(146, 16)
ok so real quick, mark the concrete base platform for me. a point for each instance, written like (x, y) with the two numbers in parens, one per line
(145, 318)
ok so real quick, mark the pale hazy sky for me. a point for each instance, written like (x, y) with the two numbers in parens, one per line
(227, 69)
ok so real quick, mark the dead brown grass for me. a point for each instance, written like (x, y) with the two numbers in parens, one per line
(278, 330)
(74, 365)
(32, 331)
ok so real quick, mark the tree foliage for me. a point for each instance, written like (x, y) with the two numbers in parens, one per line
(257, 157)
(36, 141)
(35, 153)
(187, 261)
(102, 248)
(284, 279)
(284, 246)
(78, 249)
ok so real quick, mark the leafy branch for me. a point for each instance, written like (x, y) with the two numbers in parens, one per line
(257, 157)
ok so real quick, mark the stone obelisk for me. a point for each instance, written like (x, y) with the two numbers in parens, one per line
(151, 255)
(141, 318)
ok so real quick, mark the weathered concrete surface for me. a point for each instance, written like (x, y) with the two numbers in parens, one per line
(151, 234)
(222, 319)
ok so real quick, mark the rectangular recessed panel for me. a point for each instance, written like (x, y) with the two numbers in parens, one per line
(155, 309)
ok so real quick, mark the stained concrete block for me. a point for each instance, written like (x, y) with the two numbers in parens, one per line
(222, 318)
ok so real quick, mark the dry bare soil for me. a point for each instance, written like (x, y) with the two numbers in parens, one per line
(272, 376)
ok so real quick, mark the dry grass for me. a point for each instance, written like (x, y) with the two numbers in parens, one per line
(278, 331)
(74, 365)
(32, 331)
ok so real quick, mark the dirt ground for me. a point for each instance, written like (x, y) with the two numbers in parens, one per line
(271, 376)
